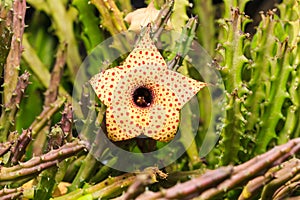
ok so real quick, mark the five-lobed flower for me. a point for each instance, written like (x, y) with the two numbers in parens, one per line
(143, 97)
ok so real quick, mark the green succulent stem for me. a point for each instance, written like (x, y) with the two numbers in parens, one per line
(232, 52)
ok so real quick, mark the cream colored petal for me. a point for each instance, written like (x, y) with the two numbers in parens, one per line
(104, 84)
(141, 17)
(184, 87)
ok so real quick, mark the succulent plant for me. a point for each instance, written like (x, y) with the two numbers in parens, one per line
(44, 155)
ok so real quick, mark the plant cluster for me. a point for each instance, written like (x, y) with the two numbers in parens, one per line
(44, 42)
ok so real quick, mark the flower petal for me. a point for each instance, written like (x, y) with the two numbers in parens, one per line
(104, 84)
(184, 87)
(119, 124)
(145, 53)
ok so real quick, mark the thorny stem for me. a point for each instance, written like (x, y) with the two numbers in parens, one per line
(193, 187)
(6, 18)
(214, 183)
(18, 149)
(37, 164)
(139, 185)
(245, 172)
(11, 69)
(10, 109)
(289, 170)
(110, 187)
(52, 91)
(112, 20)
(67, 121)
(162, 19)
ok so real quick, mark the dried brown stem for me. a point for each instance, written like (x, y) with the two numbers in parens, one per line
(254, 186)
(284, 191)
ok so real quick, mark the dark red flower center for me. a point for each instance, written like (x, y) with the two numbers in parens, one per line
(142, 97)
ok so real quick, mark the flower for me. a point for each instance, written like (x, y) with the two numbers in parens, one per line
(142, 17)
(143, 97)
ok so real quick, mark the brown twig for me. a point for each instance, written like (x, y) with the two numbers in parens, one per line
(142, 180)
(286, 190)
(246, 172)
(5, 147)
(52, 91)
(10, 109)
(215, 183)
(37, 164)
(11, 69)
(289, 170)
(193, 187)
(276, 174)
(18, 149)
(66, 121)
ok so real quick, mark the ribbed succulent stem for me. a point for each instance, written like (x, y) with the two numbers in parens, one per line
(232, 51)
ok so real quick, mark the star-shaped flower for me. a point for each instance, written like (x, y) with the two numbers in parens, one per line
(143, 97)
